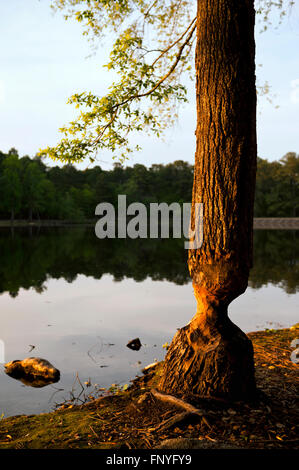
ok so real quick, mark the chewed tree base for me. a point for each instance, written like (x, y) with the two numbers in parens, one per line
(211, 361)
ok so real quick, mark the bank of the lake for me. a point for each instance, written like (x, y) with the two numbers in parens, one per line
(137, 418)
(275, 223)
(45, 223)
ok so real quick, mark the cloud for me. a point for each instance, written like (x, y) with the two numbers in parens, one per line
(295, 91)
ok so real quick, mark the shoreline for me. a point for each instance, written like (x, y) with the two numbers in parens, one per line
(259, 223)
(45, 223)
(131, 419)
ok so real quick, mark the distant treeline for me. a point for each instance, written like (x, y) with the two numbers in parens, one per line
(30, 189)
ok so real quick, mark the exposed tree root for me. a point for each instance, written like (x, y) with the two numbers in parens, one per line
(191, 414)
(176, 402)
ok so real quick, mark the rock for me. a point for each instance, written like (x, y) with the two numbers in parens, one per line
(134, 344)
(33, 371)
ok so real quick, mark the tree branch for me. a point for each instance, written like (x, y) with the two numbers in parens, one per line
(149, 92)
(174, 43)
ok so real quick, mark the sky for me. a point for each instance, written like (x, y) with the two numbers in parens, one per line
(44, 59)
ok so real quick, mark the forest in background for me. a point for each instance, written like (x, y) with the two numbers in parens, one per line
(29, 189)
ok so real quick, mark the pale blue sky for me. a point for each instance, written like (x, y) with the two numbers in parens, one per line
(43, 61)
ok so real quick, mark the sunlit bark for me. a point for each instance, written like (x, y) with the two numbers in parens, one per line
(212, 356)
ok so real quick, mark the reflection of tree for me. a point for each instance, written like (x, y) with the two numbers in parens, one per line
(276, 259)
(28, 261)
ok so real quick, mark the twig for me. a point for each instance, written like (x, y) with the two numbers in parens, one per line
(54, 393)
(88, 352)
(94, 432)
(172, 68)
(174, 43)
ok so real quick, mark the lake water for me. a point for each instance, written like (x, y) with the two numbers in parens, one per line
(79, 300)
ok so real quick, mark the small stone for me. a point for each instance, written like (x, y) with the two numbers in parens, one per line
(134, 344)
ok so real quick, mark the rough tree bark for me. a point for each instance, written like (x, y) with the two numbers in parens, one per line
(211, 356)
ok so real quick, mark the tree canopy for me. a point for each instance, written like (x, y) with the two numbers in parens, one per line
(152, 53)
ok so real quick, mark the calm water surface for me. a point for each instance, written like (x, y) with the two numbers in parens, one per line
(79, 300)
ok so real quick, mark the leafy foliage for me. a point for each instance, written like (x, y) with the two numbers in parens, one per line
(277, 187)
(10, 182)
(153, 47)
(152, 52)
(265, 8)
(70, 194)
(29, 187)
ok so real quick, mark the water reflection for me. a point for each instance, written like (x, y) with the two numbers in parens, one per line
(30, 258)
(83, 327)
(276, 259)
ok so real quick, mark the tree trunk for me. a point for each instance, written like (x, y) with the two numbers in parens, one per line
(211, 356)
(12, 216)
